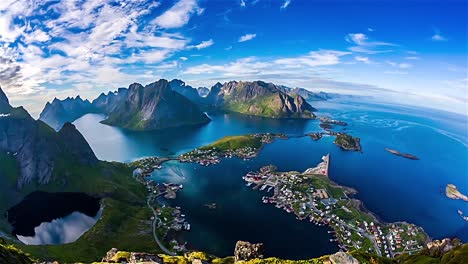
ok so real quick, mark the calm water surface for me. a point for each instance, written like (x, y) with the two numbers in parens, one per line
(396, 189)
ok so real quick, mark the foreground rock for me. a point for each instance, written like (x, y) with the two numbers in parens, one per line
(116, 256)
(440, 247)
(247, 251)
(343, 258)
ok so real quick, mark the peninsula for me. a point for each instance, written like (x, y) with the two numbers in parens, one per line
(312, 196)
(244, 147)
(452, 192)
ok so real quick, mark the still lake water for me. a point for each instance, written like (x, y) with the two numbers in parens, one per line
(394, 188)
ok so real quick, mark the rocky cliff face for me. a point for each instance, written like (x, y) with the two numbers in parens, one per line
(259, 98)
(186, 90)
(37, 147)
(155, 106)
(59, 112)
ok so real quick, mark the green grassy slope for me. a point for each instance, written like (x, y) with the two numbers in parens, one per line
(235, 142)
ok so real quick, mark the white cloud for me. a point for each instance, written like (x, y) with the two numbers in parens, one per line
(242, 3)
(362, 44)
(247, 37)
(313, 59)
(438, 37)
(362, 59)
(285, 4)
(183, 58)
(202, 45)
(412, 58)
(370, 29)
(179, 14)
(399, 65)
(251, 66)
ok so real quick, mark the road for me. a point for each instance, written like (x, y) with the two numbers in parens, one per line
(154, 225)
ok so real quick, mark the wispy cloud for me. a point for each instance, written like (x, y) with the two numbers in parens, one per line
(247, 37)
(251, 65)
(363, 44)
(242, 3)
(202, 45)
(438, 37)
(285, 4)
(399, 65)
(365, 60)
(179, 14)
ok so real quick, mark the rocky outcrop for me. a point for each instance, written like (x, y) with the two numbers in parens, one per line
(59, 112)
(155, 106)
(37, 148)
(440, 247)
(343, 258)
(116, 256)
(260, 99)
(247, 251)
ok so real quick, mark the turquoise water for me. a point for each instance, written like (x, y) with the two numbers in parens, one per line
(394, 188)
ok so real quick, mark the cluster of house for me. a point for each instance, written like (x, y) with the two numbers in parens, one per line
(147, 165)
(207, 157)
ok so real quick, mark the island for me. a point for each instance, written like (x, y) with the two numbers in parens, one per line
(311, 195)
(404, 155)
(327, 120)
(348, 142)
(452, 192)
(244, 147)
(315, 136)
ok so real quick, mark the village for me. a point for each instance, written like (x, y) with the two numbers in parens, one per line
(312, 196)
(243, 147)
(166, 220)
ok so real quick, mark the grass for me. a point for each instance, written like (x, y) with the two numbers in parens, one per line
(234, 142)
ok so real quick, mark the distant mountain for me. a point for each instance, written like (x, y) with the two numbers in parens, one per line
(106, 103)
(203, 91)
(186, 90)
(155, 106)
(306, 94)
(59, 112)
(260, 99)
(37, 149)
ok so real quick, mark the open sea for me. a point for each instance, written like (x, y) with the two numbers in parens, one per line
(392, 187)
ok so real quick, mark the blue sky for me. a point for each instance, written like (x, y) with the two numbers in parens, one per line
(410, 52)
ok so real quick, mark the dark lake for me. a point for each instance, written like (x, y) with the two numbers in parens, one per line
(53, 218)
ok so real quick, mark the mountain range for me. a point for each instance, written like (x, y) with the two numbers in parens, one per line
(165, 104)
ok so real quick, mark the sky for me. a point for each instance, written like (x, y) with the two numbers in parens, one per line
(404, 51)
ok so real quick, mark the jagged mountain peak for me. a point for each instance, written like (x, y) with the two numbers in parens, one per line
(4, 102)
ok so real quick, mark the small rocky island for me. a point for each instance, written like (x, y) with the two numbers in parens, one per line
(348, 142)
(452, 192)
(404, 155)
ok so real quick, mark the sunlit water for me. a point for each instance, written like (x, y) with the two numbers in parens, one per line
(395, 188)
